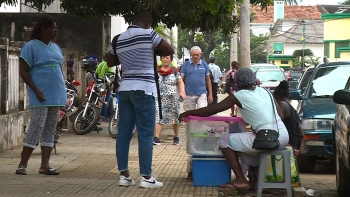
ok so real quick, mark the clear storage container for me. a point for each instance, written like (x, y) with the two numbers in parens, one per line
(203, 133)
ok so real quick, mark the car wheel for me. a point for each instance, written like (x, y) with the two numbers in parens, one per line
(342, 178)
(306, 164)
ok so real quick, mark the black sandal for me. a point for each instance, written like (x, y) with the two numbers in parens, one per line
(49, 171)
(21, 170)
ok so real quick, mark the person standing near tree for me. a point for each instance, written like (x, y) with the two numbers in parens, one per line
(135, 49)
(196, 76)
(231, 85)
(40, 67)
(216, 76)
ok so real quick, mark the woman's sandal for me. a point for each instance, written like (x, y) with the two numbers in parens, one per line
(49, 171)
(21, 170)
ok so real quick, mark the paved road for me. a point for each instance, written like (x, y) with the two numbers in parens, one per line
(88, 168)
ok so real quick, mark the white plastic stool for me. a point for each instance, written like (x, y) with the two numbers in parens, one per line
(287, 184)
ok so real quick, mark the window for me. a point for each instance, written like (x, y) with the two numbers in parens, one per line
(340, 45)
(326, 49)
(329, 79)
(284, 62)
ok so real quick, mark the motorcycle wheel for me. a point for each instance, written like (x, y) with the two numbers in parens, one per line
(113, 125)
(83, 126)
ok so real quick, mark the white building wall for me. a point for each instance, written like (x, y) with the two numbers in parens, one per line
(258, 29)
(317, 49)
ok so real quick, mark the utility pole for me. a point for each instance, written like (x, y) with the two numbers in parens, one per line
(303, 39)
(269, 44)
(245, 34)
(234, 44)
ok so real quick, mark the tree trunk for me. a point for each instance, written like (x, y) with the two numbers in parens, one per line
(106, 33)
(234, 47)
(245, 34)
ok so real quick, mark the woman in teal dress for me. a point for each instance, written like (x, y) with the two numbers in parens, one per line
(40, 67)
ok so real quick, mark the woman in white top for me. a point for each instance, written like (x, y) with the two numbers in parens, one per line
(256, 108)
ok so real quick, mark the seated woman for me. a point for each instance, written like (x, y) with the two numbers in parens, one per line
(257, 109)
(291, 118)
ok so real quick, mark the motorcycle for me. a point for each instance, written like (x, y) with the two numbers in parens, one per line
(113, 121)
(86, 118)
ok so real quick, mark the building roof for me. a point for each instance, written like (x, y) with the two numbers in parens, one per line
(314, 31)
(290, 12)
(331, 9)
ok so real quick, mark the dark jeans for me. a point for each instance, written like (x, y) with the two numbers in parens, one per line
(214, 87)
(136, 107)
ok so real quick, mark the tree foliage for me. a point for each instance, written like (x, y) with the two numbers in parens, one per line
(206, 15)
(299, 53)
(207, 41)
(309, 57)
(257, 46)
(347, 2)
(222, 55)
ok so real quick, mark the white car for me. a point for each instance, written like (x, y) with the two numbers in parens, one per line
(270, 78)
(256, 66)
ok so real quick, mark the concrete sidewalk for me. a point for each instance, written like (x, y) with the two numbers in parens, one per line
(88, 167)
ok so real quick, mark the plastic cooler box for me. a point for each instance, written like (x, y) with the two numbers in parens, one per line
(203, 133)
(210, 171)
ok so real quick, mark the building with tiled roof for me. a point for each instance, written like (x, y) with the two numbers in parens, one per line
(285, 23)
(290, 12)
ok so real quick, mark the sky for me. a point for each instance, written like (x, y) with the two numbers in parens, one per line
(303, 2)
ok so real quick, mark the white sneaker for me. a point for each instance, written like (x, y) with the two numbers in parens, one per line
(123, 181)
(150, 183)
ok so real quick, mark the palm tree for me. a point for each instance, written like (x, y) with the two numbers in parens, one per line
(167, 34)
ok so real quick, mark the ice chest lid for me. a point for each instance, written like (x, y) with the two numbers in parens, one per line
(215, 118)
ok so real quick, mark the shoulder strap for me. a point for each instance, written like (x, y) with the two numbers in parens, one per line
(174, 70)
(273, 107)
(114, 47)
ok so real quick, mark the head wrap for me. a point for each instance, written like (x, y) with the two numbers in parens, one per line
(245, 77)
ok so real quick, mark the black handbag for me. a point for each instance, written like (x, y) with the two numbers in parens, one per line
(267, 139)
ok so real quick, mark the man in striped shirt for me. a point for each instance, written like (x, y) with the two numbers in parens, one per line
(136, 48)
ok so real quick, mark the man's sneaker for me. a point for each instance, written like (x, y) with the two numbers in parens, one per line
(150, 183)
(176, 141)
(156, 141)
(123, 181)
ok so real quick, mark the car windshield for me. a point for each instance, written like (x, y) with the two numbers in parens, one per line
(266, 66)
(327, 80)
(270, 75)
(306, 78)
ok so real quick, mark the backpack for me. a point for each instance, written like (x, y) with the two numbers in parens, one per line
(231, 83)
(114, 47)
(211, 76)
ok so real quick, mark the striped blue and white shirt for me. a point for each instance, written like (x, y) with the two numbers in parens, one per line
(135, 49)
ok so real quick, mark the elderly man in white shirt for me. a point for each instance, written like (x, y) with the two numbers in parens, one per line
(217, 75)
